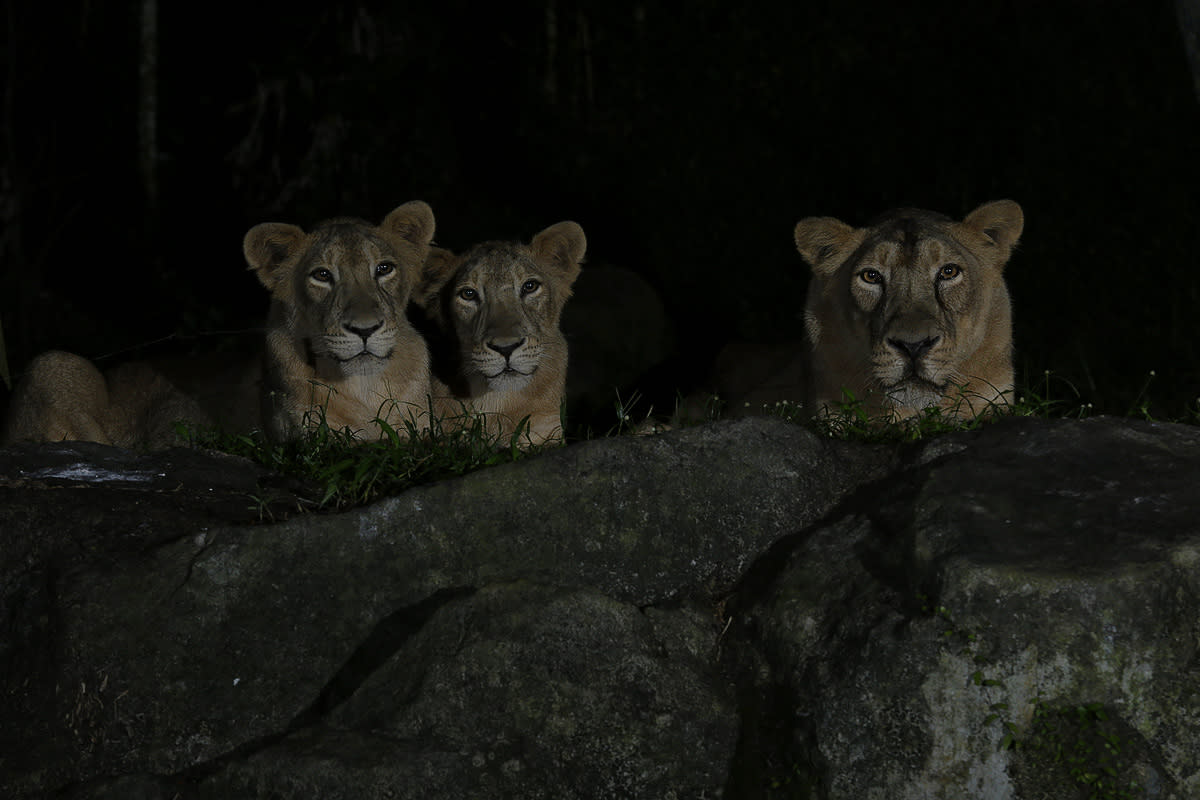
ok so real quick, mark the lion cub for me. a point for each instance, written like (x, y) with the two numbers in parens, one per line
(338, 341)
(911, 311)
(497, 308)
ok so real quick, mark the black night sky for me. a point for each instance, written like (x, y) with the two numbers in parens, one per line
(686, 138)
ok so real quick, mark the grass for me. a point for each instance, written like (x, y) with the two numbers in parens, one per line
(343, 469)
(1049, 397)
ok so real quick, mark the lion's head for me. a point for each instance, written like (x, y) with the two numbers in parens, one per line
(911, 311)
(338, 323)
(499, 305)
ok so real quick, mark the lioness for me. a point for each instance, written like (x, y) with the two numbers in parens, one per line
(338, 341)
(497, 307)
(63, 396)
(911, 311)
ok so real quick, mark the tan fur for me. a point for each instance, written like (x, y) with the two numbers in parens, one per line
(63, 396)
(911, 312)
(338, 339)
(499, 304)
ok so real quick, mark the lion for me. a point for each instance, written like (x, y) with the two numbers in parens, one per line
(496, 308)
(911, 312)
(339, 346)
(65, 397)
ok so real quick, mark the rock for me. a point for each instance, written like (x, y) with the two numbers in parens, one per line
(997, 578)
(215, 648)
(501, 694)
(740, 609)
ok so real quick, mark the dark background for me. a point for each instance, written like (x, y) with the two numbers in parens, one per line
(686, 138)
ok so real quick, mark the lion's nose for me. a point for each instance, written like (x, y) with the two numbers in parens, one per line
(914, 350)
(505, 350)
(363, 332)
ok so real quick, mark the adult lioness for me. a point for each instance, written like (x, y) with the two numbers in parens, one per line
(338, 340)
(63, 396)
(498, 307)
(911, 311)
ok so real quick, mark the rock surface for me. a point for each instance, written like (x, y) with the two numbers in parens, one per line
(741, 609)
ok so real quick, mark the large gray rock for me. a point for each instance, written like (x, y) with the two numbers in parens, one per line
(521, 690)
(996, 579)
(216, 657)
(741, 609)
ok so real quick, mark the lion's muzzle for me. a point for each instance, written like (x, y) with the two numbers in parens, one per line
(363, 332)
(914, 349)
(505, 347)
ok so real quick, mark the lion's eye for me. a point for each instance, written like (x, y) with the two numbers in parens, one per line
(530, 286)
(872, 276)
(321, 275)
(384, 268)
(467, 293)
(949, 272)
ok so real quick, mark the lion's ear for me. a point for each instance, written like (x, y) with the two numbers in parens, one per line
(439, 267)
(1001, 221)
(412, 222)
(562, 245)
(824, 242)
(268, 247)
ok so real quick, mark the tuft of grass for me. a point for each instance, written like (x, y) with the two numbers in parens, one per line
(1051, 398)
(345, 469)
(787, 410)
(689, 411)
(852, 420)
(1140, 406)
(627, 415)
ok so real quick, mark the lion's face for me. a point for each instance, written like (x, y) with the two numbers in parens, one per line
(912, 309)
(345, 285)
(504, 300)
